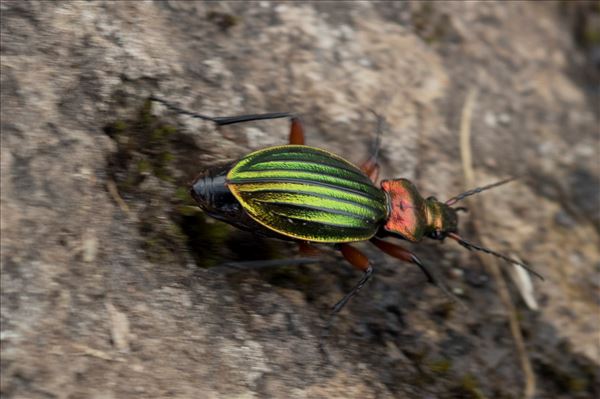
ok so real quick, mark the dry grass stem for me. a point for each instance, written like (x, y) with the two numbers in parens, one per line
(478, 208)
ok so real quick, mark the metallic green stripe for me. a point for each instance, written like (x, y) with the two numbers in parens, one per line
(307, 177)
(308, 166)
(262, 181)
(313, 202)
(375, 203)
(300, 153)
(310, 159)
(320, 228)
(322, 216)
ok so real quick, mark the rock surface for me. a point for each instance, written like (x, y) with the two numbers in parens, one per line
(106, 286)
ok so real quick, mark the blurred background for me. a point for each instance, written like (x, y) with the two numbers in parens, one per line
(110, 278)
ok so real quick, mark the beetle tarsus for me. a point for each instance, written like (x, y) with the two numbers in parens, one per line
(229, 120)
(371, 166)
(398, 252)
(223, 120)
(378, 132)
(340, 305)
(342, 302)
(361, 262)
(181, 110)
(438, 283)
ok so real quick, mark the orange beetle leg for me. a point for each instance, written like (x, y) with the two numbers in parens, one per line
(296, 132)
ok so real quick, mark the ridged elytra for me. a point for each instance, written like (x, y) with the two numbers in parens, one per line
(308, 194)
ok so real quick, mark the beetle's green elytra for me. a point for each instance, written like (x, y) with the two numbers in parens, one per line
(308, 194)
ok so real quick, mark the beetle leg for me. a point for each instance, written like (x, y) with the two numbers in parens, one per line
(361, 262)
(371, 165)
(398, 252)
(307, 249)
(296, 131)
(371, 168)
(224, 120)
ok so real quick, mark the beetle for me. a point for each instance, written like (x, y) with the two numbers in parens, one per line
(310, 196)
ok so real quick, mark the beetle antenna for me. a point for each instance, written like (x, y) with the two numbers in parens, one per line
(477, 190)
(471, 246)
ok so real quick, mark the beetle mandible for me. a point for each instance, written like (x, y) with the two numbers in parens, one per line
(309, 195)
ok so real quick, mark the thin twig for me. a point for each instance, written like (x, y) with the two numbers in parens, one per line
(86, 350)
(465, 138)
(479, 211)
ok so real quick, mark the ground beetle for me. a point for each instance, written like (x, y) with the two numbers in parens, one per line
(309, 195)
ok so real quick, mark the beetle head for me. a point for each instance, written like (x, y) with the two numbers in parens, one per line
(441, 219)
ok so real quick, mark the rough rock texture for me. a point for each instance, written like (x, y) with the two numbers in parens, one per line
(106, 286)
